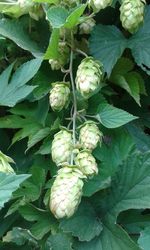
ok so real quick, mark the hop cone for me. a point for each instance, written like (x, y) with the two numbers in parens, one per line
(62, 147)
(63, 50)
(86, 162)
(132, 14)
(89, 76)
(4, 164)
(66, 192)
(98, 5)
(89, 135)
(59, 95)
(87, 26)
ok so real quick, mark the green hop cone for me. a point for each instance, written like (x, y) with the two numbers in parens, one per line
(132, 14)
(4, 164)
(62, 147)
(86, 162)
(66, 192)
(59, 95)
(63, 51)
(98, 5)
(87, 26)
(89, 77)
(90, 135)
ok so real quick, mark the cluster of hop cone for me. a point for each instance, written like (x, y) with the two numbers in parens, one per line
(67, 188)
(131, 12)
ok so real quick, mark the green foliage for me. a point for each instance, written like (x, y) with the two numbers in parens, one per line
(113, 207)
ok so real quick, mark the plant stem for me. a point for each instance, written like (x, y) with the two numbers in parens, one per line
(74, 104)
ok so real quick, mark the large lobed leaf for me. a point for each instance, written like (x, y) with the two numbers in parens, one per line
(107, 44)
(17, 90)
(13, 29)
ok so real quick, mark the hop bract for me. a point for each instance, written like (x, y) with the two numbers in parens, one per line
(66, 192)
(89, 76)
(4, 164)
(86, 162)
(62, 147)
(89, 135)
(132, 14)
(87, 26)
(59, 95)
(98, 5)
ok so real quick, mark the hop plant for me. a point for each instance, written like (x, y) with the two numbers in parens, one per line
(66, 192)
(59, 95)
(98, 5)
(4, 164)
(62, 147)
(89, 135)
(86, 162)
(132, 14)
(87, 26)
(89, 76)
(63, 50)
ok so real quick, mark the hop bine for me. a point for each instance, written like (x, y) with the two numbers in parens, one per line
(62, 147)
(98, 5)
(59, 95)
(87, 163)
(90, 135)
(132, 14)
(89, 76)
(66, 192)
(4, 164)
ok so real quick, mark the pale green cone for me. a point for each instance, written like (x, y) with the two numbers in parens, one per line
(87, 26)
(59, 95)
(4, 164)
(62, 147)
(89, 76)
(98, 5)
(66, 192)
(90, 135)
(60, 62)
(86, 162)
(132, 14)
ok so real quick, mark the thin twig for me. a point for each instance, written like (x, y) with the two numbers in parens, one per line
(74, 104)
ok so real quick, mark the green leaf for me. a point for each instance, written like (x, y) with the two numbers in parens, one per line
(16, 90)
(45, 148)
(112, 117)
(144, 239)
(8, 184)
(40, 135)
(142, 140)
(73, 19)
(57, 16)
(97, 183)
(130, 81)
(35, 184)
(44, 221)
(107, 45)
(130, 187)
(13, 29)
(59, 241)
(60, 17)
(119, 148)
(139, 43)
(20, 236)
(84, 224)
(52, 50)
(112, 237)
